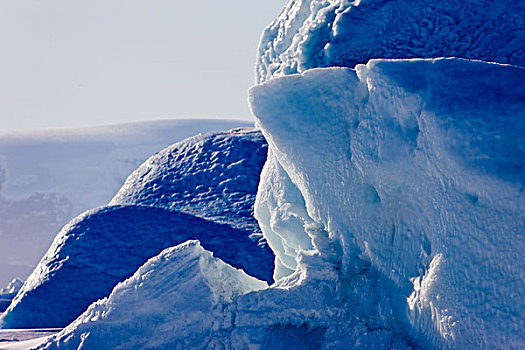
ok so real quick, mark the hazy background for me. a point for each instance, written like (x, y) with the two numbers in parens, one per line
(72, 63)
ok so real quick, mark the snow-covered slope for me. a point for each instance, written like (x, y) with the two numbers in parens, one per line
(322, 33)
(186, 280)
(49, 177)
(408, 175)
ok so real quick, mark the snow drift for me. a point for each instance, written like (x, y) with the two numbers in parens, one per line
(49, 177)
(320, 33)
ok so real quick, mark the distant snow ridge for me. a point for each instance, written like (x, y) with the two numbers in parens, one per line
(104, 246)
(319, 33)
(9, 292)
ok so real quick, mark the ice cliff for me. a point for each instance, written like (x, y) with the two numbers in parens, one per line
(413, 169)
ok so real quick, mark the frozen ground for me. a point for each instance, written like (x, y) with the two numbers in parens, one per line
(49, 177)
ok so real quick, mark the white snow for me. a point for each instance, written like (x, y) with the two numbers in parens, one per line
(415, 168)
(48, 177)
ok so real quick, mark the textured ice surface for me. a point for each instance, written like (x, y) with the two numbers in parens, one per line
(186, 280)
(185, 299)
(107, 245)
(212, 176)
(393, 198)
(414, 169)
(321, 33)
(49, 177)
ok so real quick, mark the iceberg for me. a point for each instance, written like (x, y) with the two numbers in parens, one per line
(392, 193)
(104, 246)
(391, 197)
(9, 292)
(186, 280)
(413, 171)
(49, 177)
(326, 33)
(213, 176)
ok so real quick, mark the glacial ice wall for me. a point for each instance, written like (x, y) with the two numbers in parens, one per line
(324, 33)
(415, 168)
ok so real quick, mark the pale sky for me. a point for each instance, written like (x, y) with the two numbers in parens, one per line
(73, 63)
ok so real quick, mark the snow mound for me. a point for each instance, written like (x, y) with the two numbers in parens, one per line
(105, 246)
(213, 176)
(49, 177)
(320, 33)
(407, 177)
(186, 280)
